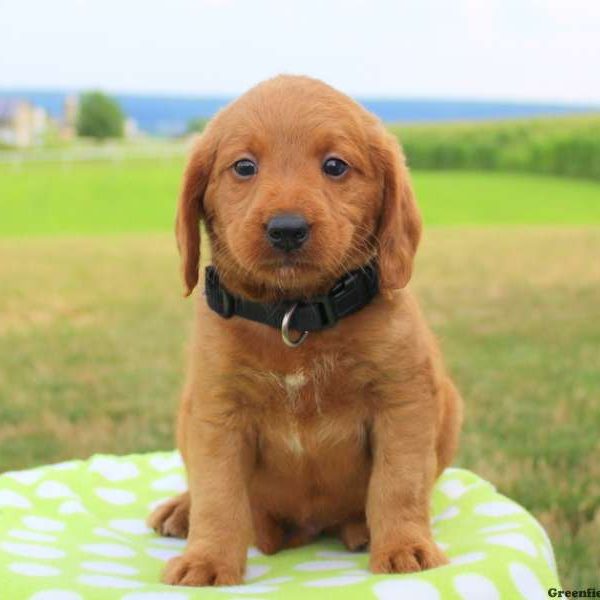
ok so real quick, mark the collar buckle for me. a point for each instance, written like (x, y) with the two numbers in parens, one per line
(324, 305)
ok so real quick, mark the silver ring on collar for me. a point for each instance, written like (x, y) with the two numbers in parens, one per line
(285, 329)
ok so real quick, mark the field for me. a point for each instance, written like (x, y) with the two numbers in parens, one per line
(93, 327)
(568, 146)
(138, 196)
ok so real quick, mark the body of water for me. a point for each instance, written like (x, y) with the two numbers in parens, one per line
(169, 115)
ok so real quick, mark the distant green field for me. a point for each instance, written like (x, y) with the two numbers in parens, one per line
(84, 198)
(567, 146)
(139, 196)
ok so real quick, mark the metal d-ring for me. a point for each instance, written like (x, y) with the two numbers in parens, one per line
(285, 329)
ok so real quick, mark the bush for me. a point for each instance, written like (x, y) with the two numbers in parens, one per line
(99, 117)
(196, 125)
(568, 146)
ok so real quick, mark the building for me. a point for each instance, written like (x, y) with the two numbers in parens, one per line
(67, 125)
(21, 123)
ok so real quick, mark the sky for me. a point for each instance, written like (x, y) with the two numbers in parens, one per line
(538, 50)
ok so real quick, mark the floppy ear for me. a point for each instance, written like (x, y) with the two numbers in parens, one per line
(190, 211)
(399, 229)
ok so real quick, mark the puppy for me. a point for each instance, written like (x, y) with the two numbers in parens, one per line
(343, 426)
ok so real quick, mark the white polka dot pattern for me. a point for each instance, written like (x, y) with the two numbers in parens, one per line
(472, 586)
(70, 507)
(111, 568)
(114, 469)
(170, 483)
(43, 523)
(325, 565)
(34, 569)
(406, 588)
(514, 540)
(108, 581)
(31, 550)
(78, 531)
(55, 594)
(497, 509)
(10, 499)
(133, 526)
(527, 583)
(109, 550)
(115, 495)
(32, 536)
(50, 490)
(466, 559)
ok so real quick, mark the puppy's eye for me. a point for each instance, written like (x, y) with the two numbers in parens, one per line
(245, 168)
(335, 167)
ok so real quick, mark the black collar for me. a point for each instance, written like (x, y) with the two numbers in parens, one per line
(350, 293)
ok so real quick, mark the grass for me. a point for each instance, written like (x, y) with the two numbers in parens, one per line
(93, 328)
(138, 196)
(85, 198)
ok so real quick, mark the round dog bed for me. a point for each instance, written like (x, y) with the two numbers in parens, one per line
(75, 531)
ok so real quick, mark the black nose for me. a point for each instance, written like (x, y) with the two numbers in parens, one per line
(287, 232)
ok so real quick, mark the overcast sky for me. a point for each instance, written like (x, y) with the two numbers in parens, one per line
(504, 49)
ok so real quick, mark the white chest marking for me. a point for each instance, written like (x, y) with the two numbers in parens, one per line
(295, 443)
(294, 382)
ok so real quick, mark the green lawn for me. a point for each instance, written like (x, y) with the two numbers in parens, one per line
(84, 198)
(132, 196)
(93, 327)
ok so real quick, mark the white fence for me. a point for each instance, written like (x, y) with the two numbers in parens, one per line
(108, 152)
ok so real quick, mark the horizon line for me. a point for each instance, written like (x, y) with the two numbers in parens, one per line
(361, 97)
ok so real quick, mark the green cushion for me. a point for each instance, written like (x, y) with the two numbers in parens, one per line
(75, 531)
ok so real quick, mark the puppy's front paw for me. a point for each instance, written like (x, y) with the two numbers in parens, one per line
(196, 569)
(171, 518)
(407, 558)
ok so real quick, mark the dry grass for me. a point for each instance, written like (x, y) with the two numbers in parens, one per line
(92, 336)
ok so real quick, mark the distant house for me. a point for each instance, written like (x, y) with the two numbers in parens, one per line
(21, 123)
(67, 125)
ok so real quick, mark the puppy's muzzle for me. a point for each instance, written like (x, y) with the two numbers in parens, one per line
(287, 232)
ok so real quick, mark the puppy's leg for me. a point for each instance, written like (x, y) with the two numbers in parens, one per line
(272, 535)
(218, 462)
(404, 469)
(355, 535)
(172, 518)
(452, 417)
(269, 535)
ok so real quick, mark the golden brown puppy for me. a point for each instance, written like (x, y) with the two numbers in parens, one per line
(347, 432)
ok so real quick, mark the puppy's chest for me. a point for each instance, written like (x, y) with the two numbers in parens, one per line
(316, 388)
(308, 410)
(312, 412)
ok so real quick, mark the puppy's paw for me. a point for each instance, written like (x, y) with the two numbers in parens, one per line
(355, 535)
(196, 569)
(407, 558)
(171, 519)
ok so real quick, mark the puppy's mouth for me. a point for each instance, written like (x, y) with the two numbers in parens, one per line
(288, 264)
(286, 260)
(290, 271)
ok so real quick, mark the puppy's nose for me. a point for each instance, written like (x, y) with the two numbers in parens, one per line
(287, 232)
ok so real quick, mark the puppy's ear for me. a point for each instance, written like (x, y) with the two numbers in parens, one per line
(190, 210)
(399, 228)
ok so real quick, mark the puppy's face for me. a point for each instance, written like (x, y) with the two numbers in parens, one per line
(297, 185)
